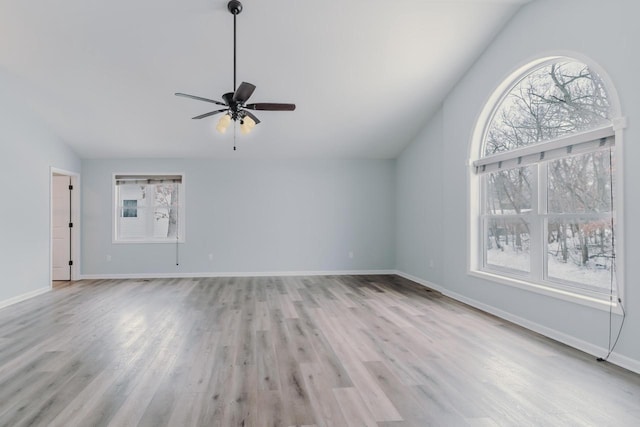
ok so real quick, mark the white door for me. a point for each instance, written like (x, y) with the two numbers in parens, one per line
(61, 217)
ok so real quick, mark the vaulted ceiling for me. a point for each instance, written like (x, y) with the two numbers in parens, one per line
(365, 74)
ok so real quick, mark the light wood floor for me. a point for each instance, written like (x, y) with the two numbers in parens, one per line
(326, 351)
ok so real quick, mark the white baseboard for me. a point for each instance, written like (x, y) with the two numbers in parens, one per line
(23, 297)
(625, 362)
(235, 274)
(420, 281)
(595, 350)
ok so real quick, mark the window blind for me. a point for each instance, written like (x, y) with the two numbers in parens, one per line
(148, 179)
(601, 138)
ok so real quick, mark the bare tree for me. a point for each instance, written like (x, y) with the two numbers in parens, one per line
(166, 206)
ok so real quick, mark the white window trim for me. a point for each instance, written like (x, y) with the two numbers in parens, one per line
(114, 212)
(474, 202)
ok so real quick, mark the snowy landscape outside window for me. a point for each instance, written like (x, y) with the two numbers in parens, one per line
(547, 182)
(149, 208)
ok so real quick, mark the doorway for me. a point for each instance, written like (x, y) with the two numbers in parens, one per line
(63, 225)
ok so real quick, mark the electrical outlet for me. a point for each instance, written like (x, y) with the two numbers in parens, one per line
(350, 254)
(108, 258)
(431, 264)
(210, 257)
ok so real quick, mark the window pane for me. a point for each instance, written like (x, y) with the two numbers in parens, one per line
(131, 219)
(165, 216)
(581, 251)
(508, 244)
(132, 227)
(580, 184)
(161, 223)
(509, 191)
(554, 100)
(165, 194)
(131, 192)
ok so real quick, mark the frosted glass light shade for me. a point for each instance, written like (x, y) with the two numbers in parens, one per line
(248, 121)
(223, 123)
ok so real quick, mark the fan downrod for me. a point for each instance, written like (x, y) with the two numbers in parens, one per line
(235, 7)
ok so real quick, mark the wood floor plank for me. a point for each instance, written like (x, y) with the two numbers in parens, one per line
(300, 341)
(201, 366)
(270, 409)
(354, 409)
(298, 408)
(262, 322)
(409, 404)
(290, 351)
(268, 376)
(85, 403)
(326, 408)
(131, 412)
(379, 404)
(241, 406)
(185, 412)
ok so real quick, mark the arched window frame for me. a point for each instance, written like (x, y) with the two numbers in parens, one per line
(475, 194)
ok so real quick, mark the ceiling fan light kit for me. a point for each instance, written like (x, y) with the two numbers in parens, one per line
(234, 103)
(223, 123)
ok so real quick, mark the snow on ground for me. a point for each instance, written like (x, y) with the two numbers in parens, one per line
(520, 260)
(509, 258)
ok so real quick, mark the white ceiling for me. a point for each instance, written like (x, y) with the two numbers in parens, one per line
(365, 74)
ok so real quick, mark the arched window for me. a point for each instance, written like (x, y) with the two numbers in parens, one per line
(545, 176)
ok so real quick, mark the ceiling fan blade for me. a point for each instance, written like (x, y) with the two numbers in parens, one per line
(202, 116)
(243, 92)
(199, 98)
(253, 117)
(271, 106)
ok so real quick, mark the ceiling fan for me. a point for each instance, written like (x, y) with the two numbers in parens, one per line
(235, 107)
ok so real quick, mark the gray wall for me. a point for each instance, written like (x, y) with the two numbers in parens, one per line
(28, 151)
(419, 215)
(253, 216)
(605, 32)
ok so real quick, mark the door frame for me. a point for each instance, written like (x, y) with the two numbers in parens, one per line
(75, 219)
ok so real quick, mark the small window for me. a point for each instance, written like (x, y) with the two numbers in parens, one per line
(149, 208)
(129, 208)
(546, 182)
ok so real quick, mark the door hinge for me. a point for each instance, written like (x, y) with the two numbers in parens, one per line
(70, 225)
(70, 187)
(70, 262)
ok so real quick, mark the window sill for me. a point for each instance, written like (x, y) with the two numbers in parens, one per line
(147, 241)
(573, 297)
